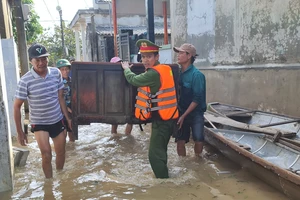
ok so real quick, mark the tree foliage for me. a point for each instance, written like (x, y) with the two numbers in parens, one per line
(32, 27)
(53, 42)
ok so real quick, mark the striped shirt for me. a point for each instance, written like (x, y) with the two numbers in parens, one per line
(42, 96)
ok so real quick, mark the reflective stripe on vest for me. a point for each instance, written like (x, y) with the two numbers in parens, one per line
(165, 99)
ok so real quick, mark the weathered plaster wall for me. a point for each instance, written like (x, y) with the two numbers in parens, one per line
(193, 21)
(257, 31)
(270, 88)
(238, 32)
(201, 30)
(226, 40)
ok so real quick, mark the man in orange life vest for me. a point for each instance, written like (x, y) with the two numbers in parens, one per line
(156, 100)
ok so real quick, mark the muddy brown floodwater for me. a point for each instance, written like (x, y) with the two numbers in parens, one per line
(102, 166)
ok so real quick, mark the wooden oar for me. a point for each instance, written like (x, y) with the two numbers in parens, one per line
(210, 122)
(280, 123)
(289, 143)
(239, 112)
(293, 144)
(226, 121)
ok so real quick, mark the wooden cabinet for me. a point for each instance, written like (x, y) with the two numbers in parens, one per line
(100, 93)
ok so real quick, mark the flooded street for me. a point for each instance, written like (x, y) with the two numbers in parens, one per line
(102, 166)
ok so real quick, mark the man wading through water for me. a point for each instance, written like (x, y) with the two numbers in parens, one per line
(156, 100)
(43, 87)
(192, 101)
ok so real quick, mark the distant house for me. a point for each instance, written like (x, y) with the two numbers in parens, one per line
(95, 25)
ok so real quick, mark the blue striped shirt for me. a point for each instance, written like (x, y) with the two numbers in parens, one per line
(42, 96)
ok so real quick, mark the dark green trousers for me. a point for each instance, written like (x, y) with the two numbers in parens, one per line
(160, 136)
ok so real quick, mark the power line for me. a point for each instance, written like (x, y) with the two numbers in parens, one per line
(86, 4)
(48, 10)
(53, 20)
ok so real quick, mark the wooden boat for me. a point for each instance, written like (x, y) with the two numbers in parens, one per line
(258, 118)
(276, 164)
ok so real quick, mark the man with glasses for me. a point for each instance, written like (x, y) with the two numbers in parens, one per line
(43, 87)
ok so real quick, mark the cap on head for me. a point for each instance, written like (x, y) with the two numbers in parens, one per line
(147, 46)
(37, 50)
(186, 47)
(62, 63)
(115, 60)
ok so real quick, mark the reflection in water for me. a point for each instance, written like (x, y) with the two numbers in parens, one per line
(104, 166)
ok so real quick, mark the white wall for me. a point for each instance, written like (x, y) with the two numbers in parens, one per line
(165, 54)
(6, 157)
(12, 76)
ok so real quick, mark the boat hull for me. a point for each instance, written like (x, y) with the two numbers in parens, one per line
(281, 179)
(255, 117)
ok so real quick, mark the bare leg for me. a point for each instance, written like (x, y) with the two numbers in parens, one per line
(198, 148)
(71, 137)
(114, 128)
(181, 148)
(42, 138)
(59, 146)
(128, 129)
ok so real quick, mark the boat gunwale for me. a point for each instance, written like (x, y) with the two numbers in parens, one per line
(210, 105)
(281, 172)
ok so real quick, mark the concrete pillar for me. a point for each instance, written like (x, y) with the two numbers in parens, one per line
(83, 39)
(12, 76)
(194, 22)
(6, 157)
(178, 9)
(78, 55)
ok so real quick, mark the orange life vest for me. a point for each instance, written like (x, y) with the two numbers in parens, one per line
(164, 101)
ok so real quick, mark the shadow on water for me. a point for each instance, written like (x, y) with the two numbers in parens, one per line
(104, 166)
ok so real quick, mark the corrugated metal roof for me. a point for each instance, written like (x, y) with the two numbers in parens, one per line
(96, 1)
(136, 29)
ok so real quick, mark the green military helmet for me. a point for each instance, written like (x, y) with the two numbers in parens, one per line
(62, 63)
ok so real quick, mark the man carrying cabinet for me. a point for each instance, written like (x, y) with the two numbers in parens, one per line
(156, 100)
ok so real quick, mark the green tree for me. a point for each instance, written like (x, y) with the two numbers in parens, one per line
(52, 41)
(32, 27)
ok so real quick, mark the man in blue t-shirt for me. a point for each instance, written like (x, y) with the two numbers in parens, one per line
(192, 100)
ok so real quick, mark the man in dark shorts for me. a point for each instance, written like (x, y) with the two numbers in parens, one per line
(42, 86)
(192, 100)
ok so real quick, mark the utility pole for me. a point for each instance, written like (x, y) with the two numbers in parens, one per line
(114, 16)
(150, 20)
(22, 44)
(58, 8)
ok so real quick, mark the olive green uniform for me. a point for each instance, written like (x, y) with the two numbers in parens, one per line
(161, 130)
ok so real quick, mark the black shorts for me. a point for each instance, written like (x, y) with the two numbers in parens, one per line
(196, 124)
(53, 129)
